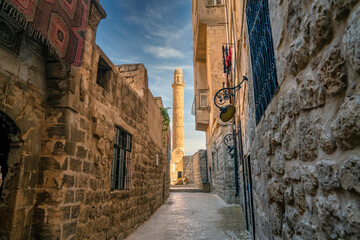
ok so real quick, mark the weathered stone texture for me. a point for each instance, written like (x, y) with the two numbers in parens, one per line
(58, 183)
(350, 41)
(331, 71)
(350, 173)
(346, 127)
(305, 148)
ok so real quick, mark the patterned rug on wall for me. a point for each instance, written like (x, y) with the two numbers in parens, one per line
(60, 24)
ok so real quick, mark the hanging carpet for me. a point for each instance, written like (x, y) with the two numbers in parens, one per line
(60, 24)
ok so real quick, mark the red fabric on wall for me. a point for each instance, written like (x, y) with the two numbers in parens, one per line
(61, 23)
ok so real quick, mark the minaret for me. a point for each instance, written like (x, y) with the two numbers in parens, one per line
(178, 125)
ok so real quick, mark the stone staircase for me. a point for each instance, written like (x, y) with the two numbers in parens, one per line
(185, 188)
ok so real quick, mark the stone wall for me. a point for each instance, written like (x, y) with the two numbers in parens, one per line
(58, 183)
(305, 150)
(22, 118)
(221, 166)
(200, 167)
(188, 169)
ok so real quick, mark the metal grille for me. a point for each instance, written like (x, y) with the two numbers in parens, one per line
(262, 54)
(120, 173)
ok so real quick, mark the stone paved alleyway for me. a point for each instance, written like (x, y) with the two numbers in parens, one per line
(193, 216)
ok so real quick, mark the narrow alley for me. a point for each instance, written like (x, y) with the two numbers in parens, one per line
(187, 215)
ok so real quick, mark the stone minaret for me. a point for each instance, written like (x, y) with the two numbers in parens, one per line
(178, 125)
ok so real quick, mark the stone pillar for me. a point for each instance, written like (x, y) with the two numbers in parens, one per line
(178, 122)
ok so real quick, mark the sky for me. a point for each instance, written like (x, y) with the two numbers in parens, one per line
(157, 33)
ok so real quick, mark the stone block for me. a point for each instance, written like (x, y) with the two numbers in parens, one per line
(350, 41)
(311, 94)
(331, 71)
(58, 148)
(327, 142)
(308, 139)
(294, 18)
(68, 181)
(328, 175)
(293, 171)
(342, 8)
(75, 164)
(274, 190)
(292, 216)
(79, 195)
(56, 70)
(75, 210)
(77, 135)
(58, 131)
(70, 148)
(48, 163)
(352, 217)
(321, 31)
(299, 197)
(276, 220)
(66, 213)
(309, 179)
(330, 217)
(298, 56)
(69, 229)
(346, 126)
(350, 173)
(278, 162)
(81, 152)
(69, 196)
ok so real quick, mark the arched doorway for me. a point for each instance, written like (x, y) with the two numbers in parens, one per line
(9, 135)
(4, 152)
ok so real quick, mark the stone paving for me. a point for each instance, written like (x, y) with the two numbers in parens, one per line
(192, 216)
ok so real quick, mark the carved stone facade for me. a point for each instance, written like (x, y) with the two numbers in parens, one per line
(57, 133)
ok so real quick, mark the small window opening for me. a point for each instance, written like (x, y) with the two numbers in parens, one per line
(203, 99)
(103, 74)
(120, 173)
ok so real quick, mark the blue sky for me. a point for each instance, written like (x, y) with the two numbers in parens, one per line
(157, 33)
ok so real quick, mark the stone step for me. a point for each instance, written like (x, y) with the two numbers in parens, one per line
(185, 189)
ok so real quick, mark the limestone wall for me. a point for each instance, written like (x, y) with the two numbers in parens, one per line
(196, 167)
(22, 105)
(305, 150)
(188, 169)
(58, 186)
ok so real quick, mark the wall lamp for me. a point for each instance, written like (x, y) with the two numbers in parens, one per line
(229, 142)
(224, 94)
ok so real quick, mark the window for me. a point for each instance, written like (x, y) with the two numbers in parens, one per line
(203, 99)
(214, 2)
(262, 55)
(120, 173)
(103, 74)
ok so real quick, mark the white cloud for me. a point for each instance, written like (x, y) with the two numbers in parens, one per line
(163, 52)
